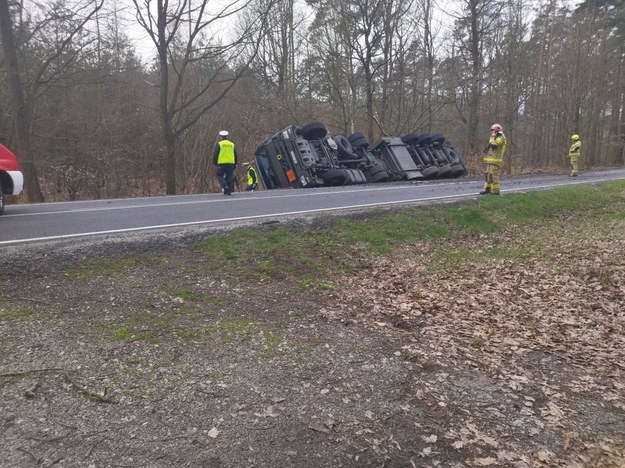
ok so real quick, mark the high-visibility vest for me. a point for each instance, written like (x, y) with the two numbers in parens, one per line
(251, 176)
(575, 148)
(495, 155)
(226, 152)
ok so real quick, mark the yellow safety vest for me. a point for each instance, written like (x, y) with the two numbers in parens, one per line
(251, 176)
(575, 149)
(226, 152)
(495, 155)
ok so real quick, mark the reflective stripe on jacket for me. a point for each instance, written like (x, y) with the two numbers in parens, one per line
(575, 148)
(497, 147)
(226, 152)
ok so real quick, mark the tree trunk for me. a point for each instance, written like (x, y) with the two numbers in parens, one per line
(618, 111)
(20, 114)
(165, 116)
(476, 78)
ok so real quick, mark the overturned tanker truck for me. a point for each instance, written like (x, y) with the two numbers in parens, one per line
(307, 156)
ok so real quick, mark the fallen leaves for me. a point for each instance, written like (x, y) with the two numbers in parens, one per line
(541, 325)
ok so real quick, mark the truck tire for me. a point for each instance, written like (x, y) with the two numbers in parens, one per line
(378, 173)
(453, 157)
(444, 171)
(334, 177)
(430, 172)
(411, 138)
(438, 138)
(314, 130)
(424, 139)
(358, 140)
(344, 146)
(457, 170)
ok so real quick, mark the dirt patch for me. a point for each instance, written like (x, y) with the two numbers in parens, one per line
(490, 356)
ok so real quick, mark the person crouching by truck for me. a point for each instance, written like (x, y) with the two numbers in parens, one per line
(225, 158)
(252, 177)
(493, 157)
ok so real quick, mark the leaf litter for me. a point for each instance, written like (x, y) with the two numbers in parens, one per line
(493, 361)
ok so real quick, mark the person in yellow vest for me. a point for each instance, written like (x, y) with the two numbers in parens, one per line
(493, 157)
(225, 158)
(574, 154)
(252, 177)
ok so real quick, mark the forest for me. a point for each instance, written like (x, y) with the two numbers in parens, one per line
(90, 116)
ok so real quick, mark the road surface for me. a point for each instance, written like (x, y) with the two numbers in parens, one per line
(54, 221)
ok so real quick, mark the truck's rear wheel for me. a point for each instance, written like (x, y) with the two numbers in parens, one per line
(358, 140)
(314, 131)
(334, 177)
(430, 172)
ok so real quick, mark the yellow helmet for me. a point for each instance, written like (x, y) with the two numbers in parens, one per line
(575, 137)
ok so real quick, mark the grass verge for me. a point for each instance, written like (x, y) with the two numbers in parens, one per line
(315, 252)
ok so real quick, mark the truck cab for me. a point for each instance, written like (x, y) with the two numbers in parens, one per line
(11, 178)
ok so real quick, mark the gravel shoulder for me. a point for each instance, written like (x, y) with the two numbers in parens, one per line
(505, 351)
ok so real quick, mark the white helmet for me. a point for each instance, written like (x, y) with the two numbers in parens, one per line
(223, 133)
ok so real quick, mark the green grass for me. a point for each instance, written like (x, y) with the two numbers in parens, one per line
(125, 333)
(191, 296)
(307, 254)
(543, 205)
(276, 252)
(472, 219)
(272, 340)
(12, 313)
(102, 267)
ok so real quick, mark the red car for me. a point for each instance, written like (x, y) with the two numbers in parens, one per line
(11, 178)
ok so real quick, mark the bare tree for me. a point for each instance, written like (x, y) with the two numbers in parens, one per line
(197, 68)
(474, 25)
(50, 68)
(20, 117)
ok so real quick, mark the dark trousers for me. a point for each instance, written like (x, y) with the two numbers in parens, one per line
(225, 174)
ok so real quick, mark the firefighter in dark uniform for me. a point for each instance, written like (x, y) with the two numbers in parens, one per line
(574, 154)
(225, 158)
(493, 157)
(252, 177)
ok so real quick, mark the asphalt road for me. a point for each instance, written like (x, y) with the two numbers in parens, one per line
(55, 221)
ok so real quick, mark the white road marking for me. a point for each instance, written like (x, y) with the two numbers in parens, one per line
(291, 213)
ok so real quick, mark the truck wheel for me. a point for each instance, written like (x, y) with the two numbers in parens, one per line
(457, 170)
(344, 146)
(378, 173)
(430, 172)
(381, 176)
(411, 138)
(444, 171)
(314, 130)
(334, 177)
(438, 138)
(452, 156)
(424, 139)
(358, 140)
